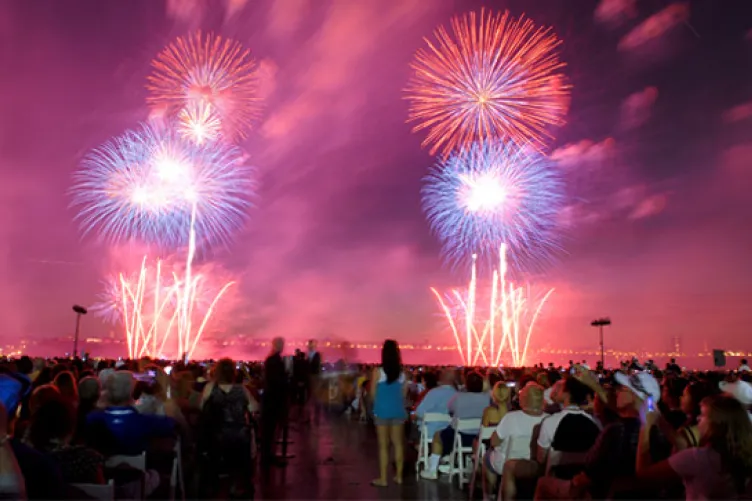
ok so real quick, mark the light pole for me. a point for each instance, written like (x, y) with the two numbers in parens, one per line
(601, 323)
(80, 310)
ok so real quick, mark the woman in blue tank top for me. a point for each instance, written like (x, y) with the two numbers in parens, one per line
(388, 389)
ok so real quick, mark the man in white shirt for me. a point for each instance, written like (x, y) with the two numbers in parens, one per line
(579, 429)
(511, 441)
(743, 366)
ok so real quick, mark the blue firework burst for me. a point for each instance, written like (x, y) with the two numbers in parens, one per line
(145, 184)
(494, 193)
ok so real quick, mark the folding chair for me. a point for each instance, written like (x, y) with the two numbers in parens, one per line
(559, 458)
(176, 476)
(480, 451)
(457, 463)
(101, 492)
(136, 462)
(424, 444)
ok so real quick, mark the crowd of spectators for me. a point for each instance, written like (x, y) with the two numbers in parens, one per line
(68, 423)
(569, 433)
(557, 433)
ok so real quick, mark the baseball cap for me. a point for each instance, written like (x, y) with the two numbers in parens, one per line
(740, 390)
(642, 384)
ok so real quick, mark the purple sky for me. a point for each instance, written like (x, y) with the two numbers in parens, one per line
(657, 154)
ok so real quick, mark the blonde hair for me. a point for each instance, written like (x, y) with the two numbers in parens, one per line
(500, 392)
(531, 397)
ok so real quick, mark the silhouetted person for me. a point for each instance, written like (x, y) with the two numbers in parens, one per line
(313, 357)
(274, 407)
(299, 378)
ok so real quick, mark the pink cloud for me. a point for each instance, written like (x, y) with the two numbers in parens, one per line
(615, 12)
(650, 206)
(736, 163)
(738, 113)
(347, 292)
(656, 26)
(338, 55)
(191, 13)
(585, 152)
(637, 108)
(285, 18)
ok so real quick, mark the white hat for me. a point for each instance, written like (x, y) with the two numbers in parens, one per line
(740, 390)
(642, 384)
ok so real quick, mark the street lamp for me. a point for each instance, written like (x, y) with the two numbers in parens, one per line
(601, 323)
(80, 310)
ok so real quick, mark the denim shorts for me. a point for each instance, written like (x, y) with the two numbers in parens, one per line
(388, 422)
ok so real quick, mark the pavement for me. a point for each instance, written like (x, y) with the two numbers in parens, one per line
(337, 459)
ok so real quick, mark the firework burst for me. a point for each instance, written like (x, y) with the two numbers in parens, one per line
(207, 70)
(492, 77)
(492, 193)
(151, 185)
(199, 123)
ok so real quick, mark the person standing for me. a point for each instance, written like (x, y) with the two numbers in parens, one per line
(388, 387)
(274, 406)
(313, 358)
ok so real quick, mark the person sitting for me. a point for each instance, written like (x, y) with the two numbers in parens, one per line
(511, 443)
(12, 482)
(614, 453)
(689, 434)
(50, 432)
(65, 382)
(720, 468)
(672, 391)
(493, 414)
(464, 405)
(88, 393)
(430, 381)
(40, 475)
(437, 401)
(571, 430)
(125, 431)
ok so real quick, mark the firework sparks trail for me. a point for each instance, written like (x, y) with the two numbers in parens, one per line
(158, 310)
(491, 193)
(506, 328)
(494, 77)
(204, 72)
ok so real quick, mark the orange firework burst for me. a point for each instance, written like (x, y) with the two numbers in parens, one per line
(492, 77)
(206, 77)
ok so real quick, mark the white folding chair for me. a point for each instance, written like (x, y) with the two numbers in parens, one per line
(515, 447)
(424, 444)
(457, 463)
(559, 458)
(136, 462)
(176, 476)
(480, 451)
(101, 492)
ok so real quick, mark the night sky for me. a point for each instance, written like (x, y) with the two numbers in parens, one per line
(656, 153)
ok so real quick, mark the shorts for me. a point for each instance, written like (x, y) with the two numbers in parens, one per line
(447, 439)
(388, 421)
(494, 461)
